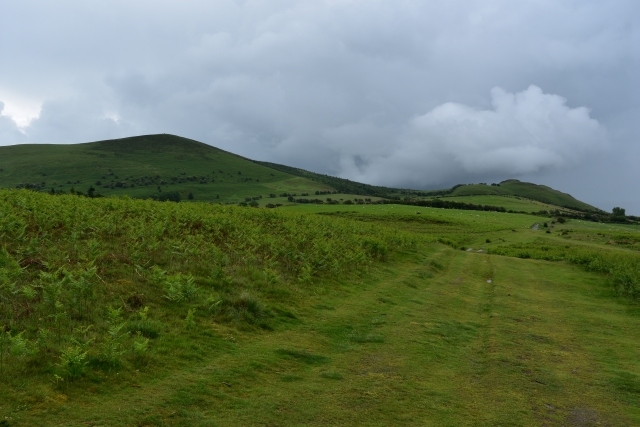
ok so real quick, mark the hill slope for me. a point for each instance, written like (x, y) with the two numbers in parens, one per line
(510, 187)
(145, 166)
(513, 187)
(168, 166)
(340, 184)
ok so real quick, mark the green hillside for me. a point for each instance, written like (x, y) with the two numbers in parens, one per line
(145, 166)
(513, 187)
(171, 167)
(510, 187)
(342, 185)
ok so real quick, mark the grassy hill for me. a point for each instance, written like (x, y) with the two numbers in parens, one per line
(342, 185)
(527, 190)
(145, 166)
(511, 187)
(170, 167)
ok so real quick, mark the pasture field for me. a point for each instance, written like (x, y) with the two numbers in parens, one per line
(512, 203)
(134, 312)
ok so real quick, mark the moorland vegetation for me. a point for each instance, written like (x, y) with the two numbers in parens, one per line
(341, 304)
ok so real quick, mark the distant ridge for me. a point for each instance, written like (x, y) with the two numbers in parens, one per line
(514, 187)
(161, 164)
(509, 187)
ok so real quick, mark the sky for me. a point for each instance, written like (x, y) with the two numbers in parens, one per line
(403, 93)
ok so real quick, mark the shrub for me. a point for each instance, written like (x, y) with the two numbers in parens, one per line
(180, 287)
(72, 362)
(146, 328)
(244, 307)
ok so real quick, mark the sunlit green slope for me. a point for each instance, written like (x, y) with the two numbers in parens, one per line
(145, 166)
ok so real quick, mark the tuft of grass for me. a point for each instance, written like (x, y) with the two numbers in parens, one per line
(288, 378)
(331, 375)
(147, 328)
(243, 307)
(324, 307)
(366, 338)
(303, 356)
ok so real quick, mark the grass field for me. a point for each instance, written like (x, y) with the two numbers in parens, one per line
(513, 203)
(313, 315)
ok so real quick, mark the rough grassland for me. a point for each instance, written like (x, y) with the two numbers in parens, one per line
(414, 331)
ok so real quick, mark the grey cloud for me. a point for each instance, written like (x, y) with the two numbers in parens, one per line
(393, 93)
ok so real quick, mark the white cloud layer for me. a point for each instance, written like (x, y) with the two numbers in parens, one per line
(393, 93)
(9, 131)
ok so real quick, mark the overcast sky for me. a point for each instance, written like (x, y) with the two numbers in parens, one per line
(406, 93)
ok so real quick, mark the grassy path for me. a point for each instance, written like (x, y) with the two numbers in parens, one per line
(447, 338)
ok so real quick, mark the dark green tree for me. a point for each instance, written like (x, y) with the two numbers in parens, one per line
(619, 212)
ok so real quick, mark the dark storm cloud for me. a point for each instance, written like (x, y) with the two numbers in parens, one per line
(409, 93)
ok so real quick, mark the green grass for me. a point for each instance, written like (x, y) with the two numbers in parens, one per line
(513, 203)
(313, 315)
